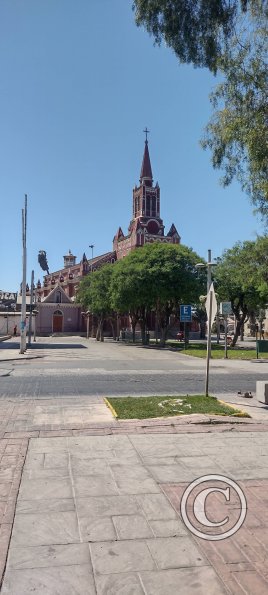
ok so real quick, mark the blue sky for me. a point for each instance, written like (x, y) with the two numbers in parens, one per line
(78, 84)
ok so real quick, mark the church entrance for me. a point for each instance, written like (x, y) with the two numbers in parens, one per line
(57, 326)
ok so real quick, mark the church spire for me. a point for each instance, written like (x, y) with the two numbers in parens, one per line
(146, 175)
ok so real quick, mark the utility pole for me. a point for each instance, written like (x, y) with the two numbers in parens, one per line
(23, 287)
(92, 315)
(31, 310)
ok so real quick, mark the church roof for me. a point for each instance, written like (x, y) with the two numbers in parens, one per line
(50, 298)
(102, 259)
(173, 232)
(119, 234)
(146, 170)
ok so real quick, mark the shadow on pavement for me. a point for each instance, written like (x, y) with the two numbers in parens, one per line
(16, 345)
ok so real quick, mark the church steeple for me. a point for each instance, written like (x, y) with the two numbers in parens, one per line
(146, 176)
(146, 225)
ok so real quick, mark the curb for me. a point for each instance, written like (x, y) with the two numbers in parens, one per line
(235, 407)
(110, 407)
(20, 358)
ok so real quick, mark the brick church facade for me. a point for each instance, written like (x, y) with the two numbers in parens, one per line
(59, 288)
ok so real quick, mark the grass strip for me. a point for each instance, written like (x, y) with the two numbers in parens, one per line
(146, 407)
(217, 351)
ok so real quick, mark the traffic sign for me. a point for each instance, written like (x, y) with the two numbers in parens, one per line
(186, 313)
(226, 308)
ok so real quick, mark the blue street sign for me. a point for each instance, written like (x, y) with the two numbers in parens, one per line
(186, 313)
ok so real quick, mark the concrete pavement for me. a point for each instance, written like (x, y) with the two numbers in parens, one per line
(100, 514)
(90, 505)
(75, 366)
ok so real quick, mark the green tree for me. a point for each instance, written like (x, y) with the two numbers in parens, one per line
(129, 290)
(200, 315)
(237, 133)
(196, 30)
(229, 36)
(94, 294)
(158, 277)
(241, 278)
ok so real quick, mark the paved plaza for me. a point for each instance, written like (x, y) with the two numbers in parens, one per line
(91, 505)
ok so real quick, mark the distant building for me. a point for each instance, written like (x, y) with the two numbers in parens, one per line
(146, 226)
(7, 300)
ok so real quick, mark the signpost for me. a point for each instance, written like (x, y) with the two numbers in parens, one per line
(185, 316)
(226, 308)
(186, 313)
(211, 308)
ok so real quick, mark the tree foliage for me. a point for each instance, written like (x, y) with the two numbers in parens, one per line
(42, 259)
(195, 29)
(130, 291)
(157, 277)
(94, 294)
(229, 36)
(241, 278)
(237, 133)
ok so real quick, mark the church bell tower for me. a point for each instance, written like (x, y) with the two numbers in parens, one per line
(146, 197)
(146, 225)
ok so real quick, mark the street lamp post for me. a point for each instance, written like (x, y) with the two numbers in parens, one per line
(208, 264)
(92, 315)
(23, 286)
(92, 248)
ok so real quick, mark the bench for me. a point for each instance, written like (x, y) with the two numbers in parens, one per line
(261, 347)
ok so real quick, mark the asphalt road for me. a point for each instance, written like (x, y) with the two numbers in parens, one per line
(77, 367)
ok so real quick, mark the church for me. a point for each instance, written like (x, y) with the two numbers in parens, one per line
(57, 310)
(146, 225)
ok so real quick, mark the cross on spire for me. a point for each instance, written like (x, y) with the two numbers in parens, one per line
(146, 132)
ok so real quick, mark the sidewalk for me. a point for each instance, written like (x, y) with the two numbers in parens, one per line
(90, 505)
(96, 500)
(100, 514)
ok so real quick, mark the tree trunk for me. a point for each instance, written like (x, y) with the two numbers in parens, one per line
(239, 326)
(163, 335)
(203, 330)
(101, 330)
(156, 328)
(241, 313)
(133, 328)
(143, 331)
(113, 325)
(99, 333)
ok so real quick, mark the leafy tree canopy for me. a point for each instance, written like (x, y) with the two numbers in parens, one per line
(229, 36)
(156, 272)
(94, 291)
(159, 277)
(194, 29)
(237, 133)
(241, 278)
